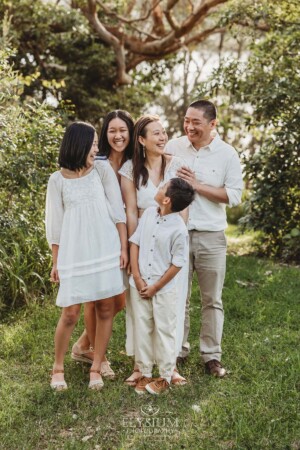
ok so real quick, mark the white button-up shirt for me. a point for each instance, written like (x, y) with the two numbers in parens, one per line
(162, 241)
(216, 165)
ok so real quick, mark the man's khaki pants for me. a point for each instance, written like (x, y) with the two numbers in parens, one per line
(154, 325)
(208, 260)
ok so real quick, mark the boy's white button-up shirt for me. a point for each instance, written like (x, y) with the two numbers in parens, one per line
(217, 165)
(162, 241)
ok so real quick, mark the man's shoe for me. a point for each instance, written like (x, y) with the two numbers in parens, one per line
(215, 368)
(158, 386)
(141, 385)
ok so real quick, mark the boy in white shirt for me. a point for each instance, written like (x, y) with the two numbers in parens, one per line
(158, 251)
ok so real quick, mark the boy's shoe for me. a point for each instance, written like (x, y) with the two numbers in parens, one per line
(215, 368)
(141, 385)
(158, 386)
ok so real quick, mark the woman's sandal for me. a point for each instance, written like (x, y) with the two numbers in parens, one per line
(96, 385)
(133, 379)
(58, 385)
(178, 380)
(86, 356)
(106, 370)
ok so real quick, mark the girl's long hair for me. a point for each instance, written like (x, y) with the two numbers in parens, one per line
(104, 147)
(140, 171)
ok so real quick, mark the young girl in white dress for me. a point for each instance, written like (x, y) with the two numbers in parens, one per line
(86, 230)
(141, 178)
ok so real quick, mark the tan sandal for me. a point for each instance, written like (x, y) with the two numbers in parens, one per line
(132, 380)
(86, 356)
(178, 380)
(106, 370)
(58, 385)
(96, 385)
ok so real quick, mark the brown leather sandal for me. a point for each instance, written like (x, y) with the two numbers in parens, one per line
(132, 380)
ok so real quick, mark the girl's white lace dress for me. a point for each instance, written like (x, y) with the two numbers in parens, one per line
(145, 198)
(81, 214)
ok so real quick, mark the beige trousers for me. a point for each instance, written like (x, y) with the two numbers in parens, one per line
(208, 260)
(154, 324)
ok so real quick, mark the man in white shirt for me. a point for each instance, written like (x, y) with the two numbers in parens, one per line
(214, 171)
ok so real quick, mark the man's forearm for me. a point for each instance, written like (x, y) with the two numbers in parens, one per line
(217, 195)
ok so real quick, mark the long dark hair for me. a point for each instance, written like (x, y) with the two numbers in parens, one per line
(104, 147)
(138, 160)
(76, 145)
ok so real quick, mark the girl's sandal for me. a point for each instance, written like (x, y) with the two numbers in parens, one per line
(96, 385)
(177, 379)
(133, 379)
(86, 356)
(58, 385)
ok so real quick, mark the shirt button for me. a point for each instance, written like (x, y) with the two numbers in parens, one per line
(149, 264)
(157, 223)
(149, 278)
(151, 250)
(153, 235)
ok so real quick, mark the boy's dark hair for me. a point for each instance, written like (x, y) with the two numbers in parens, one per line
(76, 145)
(208, 108)
(181, 194)
(104, 147)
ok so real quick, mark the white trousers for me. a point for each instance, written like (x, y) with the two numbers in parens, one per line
(154, 325)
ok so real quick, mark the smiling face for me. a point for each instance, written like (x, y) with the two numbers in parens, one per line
(155, 138)
(92, 153)
(118, 135)
(198, 128)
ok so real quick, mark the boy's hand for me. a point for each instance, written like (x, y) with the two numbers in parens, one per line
(123, 259)
(54, 277)
(148, 291)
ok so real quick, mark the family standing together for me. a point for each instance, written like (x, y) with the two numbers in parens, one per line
(130, 227)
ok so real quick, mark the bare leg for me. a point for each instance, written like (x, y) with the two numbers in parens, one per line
(68, 319)
(104, 316)
(120, 301)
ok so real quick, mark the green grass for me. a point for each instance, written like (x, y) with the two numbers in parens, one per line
(255, 407)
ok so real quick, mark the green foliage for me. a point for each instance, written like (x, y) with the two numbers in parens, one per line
(268, 85)
(30, 135)
(68, 61)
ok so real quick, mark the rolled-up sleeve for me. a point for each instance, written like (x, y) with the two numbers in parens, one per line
(234, 181)
(112, 191)
(54, 210)
(179, 250)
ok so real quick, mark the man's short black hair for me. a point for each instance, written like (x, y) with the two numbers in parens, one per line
(76, 145)
(208, 108)
(181, 194)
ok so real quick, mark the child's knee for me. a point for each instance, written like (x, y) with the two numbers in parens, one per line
(104, 310)
(70, 316)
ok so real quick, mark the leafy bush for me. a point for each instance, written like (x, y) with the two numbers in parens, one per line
(30, 134)
(268, 86)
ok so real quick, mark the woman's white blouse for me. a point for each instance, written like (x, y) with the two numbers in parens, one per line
(145, 194)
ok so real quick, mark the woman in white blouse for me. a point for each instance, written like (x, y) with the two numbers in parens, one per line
(141, 178)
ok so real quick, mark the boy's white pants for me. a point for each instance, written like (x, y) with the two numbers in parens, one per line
(154, 324)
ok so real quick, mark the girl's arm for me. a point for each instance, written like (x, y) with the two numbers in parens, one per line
(134, 261)
(121, 227)
(129, 196)
(54, 277)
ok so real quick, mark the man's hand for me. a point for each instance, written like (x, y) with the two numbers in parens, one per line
(188, 175)
(148, 292)
(54, 277)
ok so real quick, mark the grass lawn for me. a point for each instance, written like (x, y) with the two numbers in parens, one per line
(255, 407)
